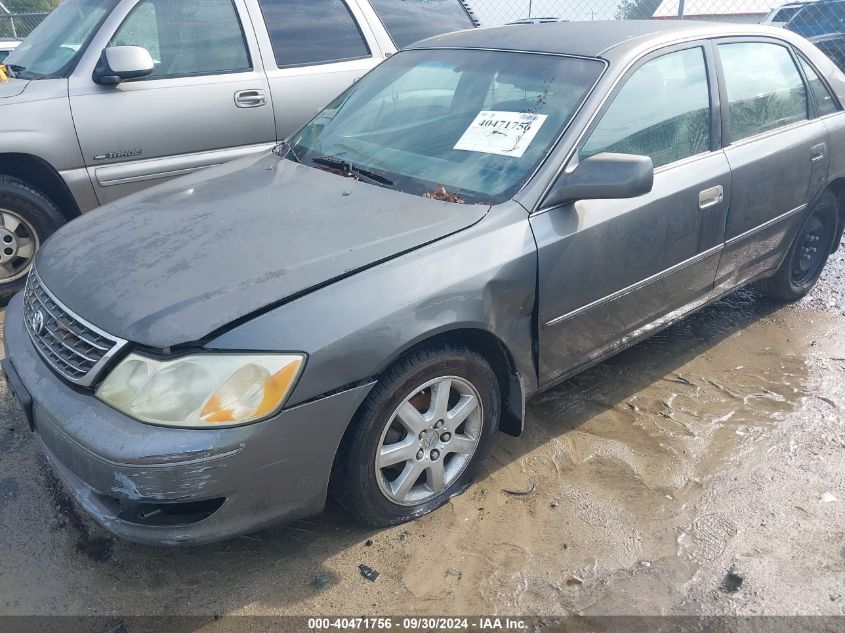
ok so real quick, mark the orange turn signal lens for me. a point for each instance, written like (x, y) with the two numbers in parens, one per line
(250, 393)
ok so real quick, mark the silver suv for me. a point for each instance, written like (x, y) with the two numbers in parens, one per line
(108, 97)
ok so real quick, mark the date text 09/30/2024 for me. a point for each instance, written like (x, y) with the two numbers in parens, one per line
(493, 623)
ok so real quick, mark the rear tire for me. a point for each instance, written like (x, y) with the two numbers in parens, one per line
(420, 436)
(807, 257)
(27, 219)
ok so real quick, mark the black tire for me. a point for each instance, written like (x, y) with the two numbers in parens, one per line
(40, 216)
(354, 482)
(807, 257)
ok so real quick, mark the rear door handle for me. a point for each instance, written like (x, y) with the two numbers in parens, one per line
(711, 197)
(817, 152)
(250, 98)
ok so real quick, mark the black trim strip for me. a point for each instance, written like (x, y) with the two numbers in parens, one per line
(636, 286)
(765, 225)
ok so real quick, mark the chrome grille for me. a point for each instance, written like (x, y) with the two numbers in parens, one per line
(72, 347)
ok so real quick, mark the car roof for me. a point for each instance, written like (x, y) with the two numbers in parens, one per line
(590, 39)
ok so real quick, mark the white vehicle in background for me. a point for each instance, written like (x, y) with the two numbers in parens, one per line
(7, 45)
(538, 20)
(779, 16)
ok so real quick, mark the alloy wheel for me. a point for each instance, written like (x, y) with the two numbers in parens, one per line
(18, 244)
(429, 440)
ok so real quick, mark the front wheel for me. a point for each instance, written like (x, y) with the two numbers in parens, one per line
(27, 218)
(419, 437)
(806, 259)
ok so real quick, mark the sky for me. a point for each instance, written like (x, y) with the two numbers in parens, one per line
(494, 12)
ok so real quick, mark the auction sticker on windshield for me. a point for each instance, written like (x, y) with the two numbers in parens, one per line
(502, 133)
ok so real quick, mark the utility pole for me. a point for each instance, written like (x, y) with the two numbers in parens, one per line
(11, 20)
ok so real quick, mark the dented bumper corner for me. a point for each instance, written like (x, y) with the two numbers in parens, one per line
(169, 486)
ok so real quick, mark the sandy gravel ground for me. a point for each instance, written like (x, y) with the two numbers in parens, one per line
(718, 443)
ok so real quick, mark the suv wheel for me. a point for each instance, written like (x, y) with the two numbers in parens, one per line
(27, 218)
(420, 436)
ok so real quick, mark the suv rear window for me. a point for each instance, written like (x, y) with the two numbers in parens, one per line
(819, 19)
(307, 32)
(410, 21)
(785, 14)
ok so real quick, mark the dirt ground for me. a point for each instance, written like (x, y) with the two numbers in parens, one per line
(718, 443)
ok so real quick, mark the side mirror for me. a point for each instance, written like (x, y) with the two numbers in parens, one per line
(604, 176)
(123, 63)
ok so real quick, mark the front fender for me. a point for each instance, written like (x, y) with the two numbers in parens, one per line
(38, 122)
(482, 278)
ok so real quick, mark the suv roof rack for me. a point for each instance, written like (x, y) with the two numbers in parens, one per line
(471, 12)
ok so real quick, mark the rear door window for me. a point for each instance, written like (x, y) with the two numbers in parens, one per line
(306, 32)
(765, 89)
(409, 21)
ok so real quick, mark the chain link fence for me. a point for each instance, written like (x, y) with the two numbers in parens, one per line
(816, 17)
(821, 21)
(19, 25)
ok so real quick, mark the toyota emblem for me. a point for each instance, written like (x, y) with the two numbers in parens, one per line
(37, 322)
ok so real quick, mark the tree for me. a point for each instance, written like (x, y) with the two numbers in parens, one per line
(21, 27)
(31, 6)
(636, 9)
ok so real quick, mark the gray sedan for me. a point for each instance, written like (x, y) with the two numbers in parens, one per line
(361, 311)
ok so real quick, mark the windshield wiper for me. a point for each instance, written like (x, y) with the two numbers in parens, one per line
(285, 149)
(349, 169)
(15, 69)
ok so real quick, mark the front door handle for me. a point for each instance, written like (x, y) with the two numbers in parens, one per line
(817, 152)
(250, 98)
(711, 197)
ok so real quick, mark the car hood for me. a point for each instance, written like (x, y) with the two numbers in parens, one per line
(12, 87)
(175, 264)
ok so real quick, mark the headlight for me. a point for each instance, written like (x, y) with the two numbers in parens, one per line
(201, 391)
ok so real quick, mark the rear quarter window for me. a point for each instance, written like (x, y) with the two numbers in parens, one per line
(409, 21)
(825, 101)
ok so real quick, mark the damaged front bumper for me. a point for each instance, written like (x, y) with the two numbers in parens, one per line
(169, 486)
